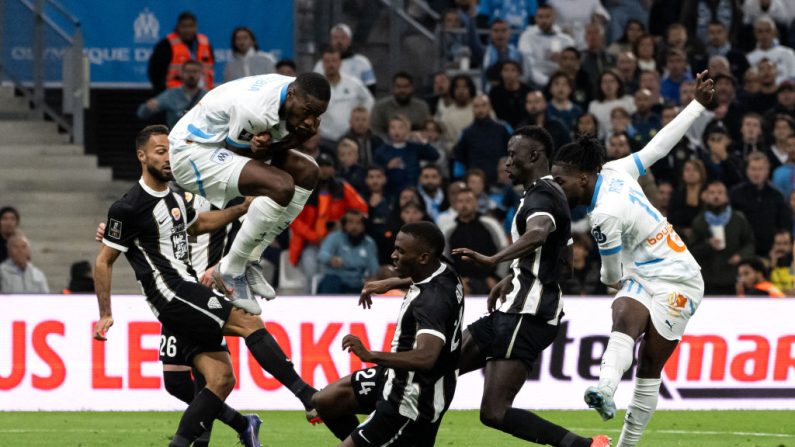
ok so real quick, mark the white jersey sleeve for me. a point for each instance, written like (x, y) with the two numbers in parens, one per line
(606, 230)
(636, 164)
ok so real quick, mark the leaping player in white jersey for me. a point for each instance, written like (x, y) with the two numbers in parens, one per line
(240, 140)
(658, 281)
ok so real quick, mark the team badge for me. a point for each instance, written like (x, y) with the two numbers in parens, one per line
(114, 229)
(175, 213)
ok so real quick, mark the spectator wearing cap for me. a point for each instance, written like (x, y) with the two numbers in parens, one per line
(401, 157)
(481, 144)
(728, 110)
(498, 50)
(784, 175)
(508, 96)
(17, 273)
(348, 256)
(347, 93)
(9, 222)
(767, 47)
(752, 280)
(719, 160)
(542, 44)
(325, 207)
(785, 103)
(762, 204)
(403, 102)
(720, 237)
(353, 64)
(718, 44)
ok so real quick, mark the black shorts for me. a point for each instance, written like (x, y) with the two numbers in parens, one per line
(179, 350)
(368, 385)
(513, 336)
(388, 427)
(196, 313)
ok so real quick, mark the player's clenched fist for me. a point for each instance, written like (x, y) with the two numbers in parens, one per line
(260, 141)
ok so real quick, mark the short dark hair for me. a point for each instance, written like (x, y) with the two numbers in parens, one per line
(286, 63)
(428, 234)
(9, 209)
(756, 264)
(538, 134)
(186, 15)
(469, 82)
(572, 50)
(716, 23)
(786, 118)
(476, 172)
(376, 168)
(315, 85)
(511, 62)
(351, 212)
(143, 136)
(586, 154)
(327, 49)
(403, 75)
(433, 167)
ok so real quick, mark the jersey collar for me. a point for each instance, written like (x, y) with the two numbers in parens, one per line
(151, 191)
(595, 192)
(433, 275)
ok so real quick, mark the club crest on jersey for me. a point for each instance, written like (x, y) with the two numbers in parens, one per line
(598, 235)
(114, 229)
(175, 213)
(188, 196)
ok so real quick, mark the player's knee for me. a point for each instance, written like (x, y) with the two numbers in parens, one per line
(320, 401)
(491, 416)
(307, 175)
(649, 367)
(283, 188)
(222, 384)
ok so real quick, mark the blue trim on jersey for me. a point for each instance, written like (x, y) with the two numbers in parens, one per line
(198, 132)
(199, 181)
(630, 284)
(237, 145)
(639, 164)
(596, 189)
(610, 251)
(650, 262)
(639, 288)
(283, 95)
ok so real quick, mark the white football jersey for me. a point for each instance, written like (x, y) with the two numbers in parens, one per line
(634, 238)
(234, 112)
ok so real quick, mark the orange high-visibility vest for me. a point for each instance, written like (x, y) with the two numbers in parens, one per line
(772, 290)
(180, 54)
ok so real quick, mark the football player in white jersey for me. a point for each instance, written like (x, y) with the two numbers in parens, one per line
(240, 140)
(659, 282)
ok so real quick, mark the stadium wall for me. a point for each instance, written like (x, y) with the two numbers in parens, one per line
(737, 354)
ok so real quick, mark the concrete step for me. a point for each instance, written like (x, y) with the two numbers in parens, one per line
(6, 91)
(112, 192)
(60, 183)
(14, 104)
(24, 159)
(62, 174)
(30, 132)
(38, 148)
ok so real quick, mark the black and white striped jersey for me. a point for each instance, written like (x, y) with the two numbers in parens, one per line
(432, 306)
(535, 277)
(150, 228)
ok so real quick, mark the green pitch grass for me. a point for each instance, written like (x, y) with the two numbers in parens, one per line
(460, 428)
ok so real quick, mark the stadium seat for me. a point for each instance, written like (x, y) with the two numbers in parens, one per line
(290, 277)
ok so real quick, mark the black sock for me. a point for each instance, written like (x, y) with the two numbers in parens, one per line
(272, 359)
(343, 426)
(204, 439)
(179, 384)
(197, 418)
(232, 418)
(530, 427)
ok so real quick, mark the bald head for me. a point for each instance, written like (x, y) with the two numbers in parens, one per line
(481, 107)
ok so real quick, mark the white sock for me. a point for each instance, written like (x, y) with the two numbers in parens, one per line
(639, 412)
(292, 211)
(616, 360)
(263, 214)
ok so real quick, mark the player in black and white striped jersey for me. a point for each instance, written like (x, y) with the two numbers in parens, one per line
(507, 342)
(412, 386)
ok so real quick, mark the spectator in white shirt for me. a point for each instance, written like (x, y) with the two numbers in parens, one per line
(542, 44)
(573, 15)
(17, 274)
(767, 48)
(346, 93)
(609, 95)
(247, 58)
(353, 64)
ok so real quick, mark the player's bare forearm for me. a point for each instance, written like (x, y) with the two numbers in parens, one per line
(212, 220)
(103, 274)
(421, 358)
(538, 229)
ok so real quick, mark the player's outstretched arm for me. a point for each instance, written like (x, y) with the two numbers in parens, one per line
(103, 273)
(212, 220)
(421, 358)
(538, 229)
(668, 136)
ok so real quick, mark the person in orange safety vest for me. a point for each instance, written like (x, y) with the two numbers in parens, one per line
(179, 46)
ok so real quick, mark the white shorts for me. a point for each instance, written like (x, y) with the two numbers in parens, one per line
(670, 304)
(211, 171)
